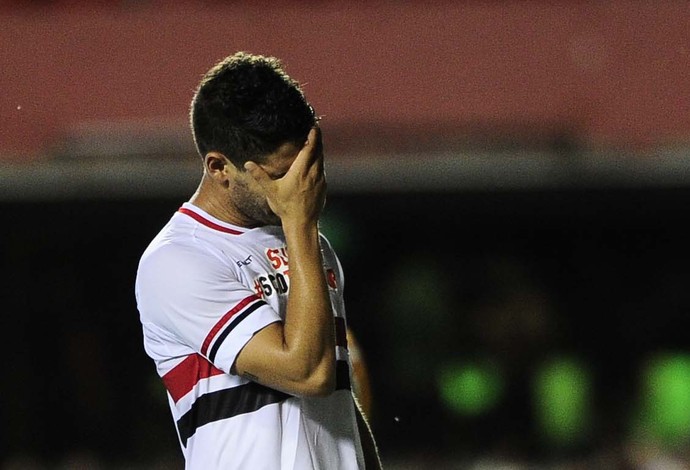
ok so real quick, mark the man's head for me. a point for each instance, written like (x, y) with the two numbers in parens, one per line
(246, 107)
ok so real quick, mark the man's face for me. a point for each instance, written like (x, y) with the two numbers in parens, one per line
(249, 197)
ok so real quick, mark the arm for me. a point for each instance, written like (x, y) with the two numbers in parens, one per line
(298, 355)
(360, 374)
(369, 449)
(363, 402)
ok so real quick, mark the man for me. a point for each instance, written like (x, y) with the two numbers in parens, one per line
(240, 297)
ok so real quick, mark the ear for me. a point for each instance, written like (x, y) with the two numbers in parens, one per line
(219, 168)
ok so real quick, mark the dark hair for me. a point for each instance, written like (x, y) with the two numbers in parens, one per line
(246, 107)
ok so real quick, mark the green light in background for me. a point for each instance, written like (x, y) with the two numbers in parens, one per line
(470, 388)
(416, 296)
(666, 384)
(562, 390)
(339, 231)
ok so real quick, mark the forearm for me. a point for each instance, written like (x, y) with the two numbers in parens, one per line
(309, 336)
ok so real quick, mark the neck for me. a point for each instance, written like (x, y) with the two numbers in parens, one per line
(208, 198)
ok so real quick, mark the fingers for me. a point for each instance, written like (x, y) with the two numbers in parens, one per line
(318, 151)
(309, 160)
(314, 144)
(311, 152)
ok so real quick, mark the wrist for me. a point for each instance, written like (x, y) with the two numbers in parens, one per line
(302, 238)
(300, 226)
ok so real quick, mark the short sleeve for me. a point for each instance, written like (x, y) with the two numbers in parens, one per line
(332, 260)
(198, 299)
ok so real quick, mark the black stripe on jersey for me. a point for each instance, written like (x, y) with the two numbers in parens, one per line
(342, 376)
(340, 332)
(225, 404)
(236, 321)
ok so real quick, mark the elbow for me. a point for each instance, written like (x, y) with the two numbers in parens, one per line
(322, 385)
(320, 382)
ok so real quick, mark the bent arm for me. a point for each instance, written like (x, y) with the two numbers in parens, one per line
(297, 356)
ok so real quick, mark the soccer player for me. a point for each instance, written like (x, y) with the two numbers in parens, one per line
(240, 296)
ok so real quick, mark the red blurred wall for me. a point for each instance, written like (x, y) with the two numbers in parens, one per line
(610, 73)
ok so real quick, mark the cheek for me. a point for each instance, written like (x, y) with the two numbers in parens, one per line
(255, 193)
(249, 193)
(246, 188)
(255, 189)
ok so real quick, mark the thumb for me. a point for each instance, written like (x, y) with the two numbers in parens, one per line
(256, 172)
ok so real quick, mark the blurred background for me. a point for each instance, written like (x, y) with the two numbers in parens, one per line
(508, 192)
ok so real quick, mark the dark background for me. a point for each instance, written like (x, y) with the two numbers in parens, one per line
(610, 265)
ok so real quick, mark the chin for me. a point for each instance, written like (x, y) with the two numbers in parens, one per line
(273, 220)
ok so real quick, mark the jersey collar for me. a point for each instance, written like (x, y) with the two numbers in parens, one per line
(208, 220)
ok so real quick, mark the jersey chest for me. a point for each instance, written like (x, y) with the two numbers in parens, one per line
(266, 271)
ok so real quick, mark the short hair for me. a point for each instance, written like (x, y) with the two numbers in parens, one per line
(246, 106)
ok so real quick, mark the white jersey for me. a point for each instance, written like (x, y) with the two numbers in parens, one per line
(203, 288)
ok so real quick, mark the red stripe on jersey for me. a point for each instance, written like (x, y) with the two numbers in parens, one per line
(226, 318)
(202, 220)
(182, 378)
(331, 279)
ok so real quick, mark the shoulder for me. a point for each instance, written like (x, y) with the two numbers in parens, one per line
(171, 251)
(174, 278)
(174, 262)
(172, 266)
(181, 243)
